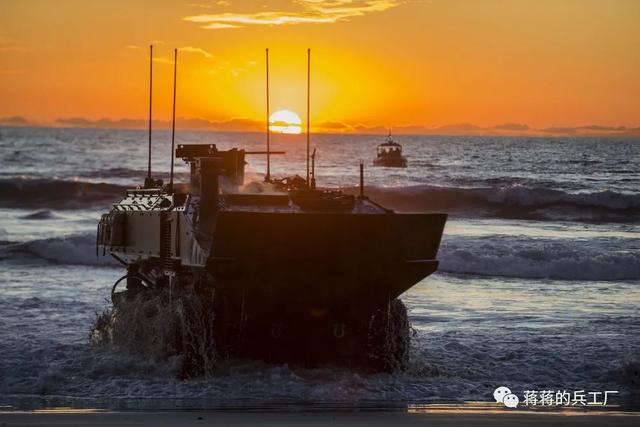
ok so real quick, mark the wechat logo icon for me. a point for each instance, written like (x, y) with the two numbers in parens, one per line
(503, 395)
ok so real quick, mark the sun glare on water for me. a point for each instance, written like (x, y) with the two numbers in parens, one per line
(285, 121)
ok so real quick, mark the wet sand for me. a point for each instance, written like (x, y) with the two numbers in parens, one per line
(445, 416)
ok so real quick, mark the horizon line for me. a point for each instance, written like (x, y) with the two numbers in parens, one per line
(633, 133)
(238, 125)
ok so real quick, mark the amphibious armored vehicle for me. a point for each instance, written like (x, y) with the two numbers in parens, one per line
(300, 275)
(285, 273)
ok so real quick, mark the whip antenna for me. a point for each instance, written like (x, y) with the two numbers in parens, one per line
(267, 178)
(308, 102)
(173, 123)
(148, 183)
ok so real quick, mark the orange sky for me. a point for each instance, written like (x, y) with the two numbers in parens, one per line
(375, 62)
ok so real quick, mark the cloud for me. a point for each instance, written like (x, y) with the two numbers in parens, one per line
(378, 130)
(347, 8)
(218, 26)
(74, 121)
(209, 5)
(198, 50)
(15, 121)
(182, 123)
(334, 126)
(234, 20)
(562, 130)
(161, 60)
(187, 49)
(591, 130)
(512, 126)
(460, 127)
(231, 125)
(251, 125)
(309, 12)
(82, 122)
(598, 128)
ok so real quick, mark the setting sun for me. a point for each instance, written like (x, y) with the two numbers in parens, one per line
(285, 121)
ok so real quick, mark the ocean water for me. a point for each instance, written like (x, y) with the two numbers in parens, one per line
(538, 286)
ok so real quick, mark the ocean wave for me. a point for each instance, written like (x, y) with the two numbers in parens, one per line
(39, 215)
(516, 201)
(77, 249)
(136, 175)
(494, 255)
(500, 201)
(535, 258)
(57, 194)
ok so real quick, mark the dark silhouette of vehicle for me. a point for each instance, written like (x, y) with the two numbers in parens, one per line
(299, 274)
(286, 273)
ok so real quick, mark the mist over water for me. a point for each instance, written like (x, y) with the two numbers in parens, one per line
(538, 286)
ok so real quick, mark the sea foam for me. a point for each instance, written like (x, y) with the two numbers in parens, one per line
(538, 258)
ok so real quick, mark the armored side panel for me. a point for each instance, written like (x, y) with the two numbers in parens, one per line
(323, 261)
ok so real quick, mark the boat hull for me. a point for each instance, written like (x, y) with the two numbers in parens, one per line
(390, 162)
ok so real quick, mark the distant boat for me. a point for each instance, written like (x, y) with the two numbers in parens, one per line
(389, 154)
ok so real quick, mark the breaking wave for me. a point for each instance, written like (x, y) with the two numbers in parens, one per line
(128, 174)
(515, 201)
(511, 202)
(39, 215)
(495, 255)
(56, 194)
(75, 249)
(535, 258)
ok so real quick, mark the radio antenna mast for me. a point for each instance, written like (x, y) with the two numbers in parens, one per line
(173, 122)
(148, 183)
(308, 102)
(267, 178)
